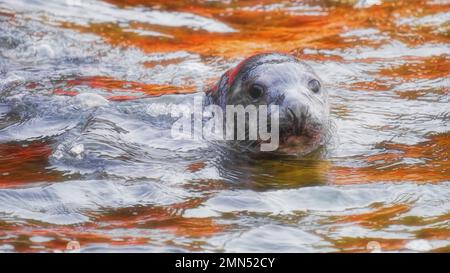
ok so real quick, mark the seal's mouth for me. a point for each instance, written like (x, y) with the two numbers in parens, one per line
(300, 133)
(296, 129)
(300, 140)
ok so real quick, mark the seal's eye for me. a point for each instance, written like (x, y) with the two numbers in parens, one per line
(314, 85)
(256, 91)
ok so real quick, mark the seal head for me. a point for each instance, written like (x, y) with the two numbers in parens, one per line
(282, 80)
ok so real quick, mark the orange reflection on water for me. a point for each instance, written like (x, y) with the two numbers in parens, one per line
(270, 29)
(25, 163)
(432, 164)
(163, 218)
(421, 68)
(378, 218)
(137, 224)
(118, 87)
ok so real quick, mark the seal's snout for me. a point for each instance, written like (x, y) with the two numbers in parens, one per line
(297, 119)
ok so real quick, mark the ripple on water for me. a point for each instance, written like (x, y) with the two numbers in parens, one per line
(79, 113)
(66, 203)
(83, 12)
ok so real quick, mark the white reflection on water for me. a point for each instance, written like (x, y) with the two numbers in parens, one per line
(115, 155)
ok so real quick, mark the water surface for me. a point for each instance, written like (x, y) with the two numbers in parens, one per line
(86, 152)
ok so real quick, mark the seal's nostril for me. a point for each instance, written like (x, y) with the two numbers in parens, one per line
(298, 121)
(292, 115)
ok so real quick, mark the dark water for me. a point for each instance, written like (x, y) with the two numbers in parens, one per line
(86, 153)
